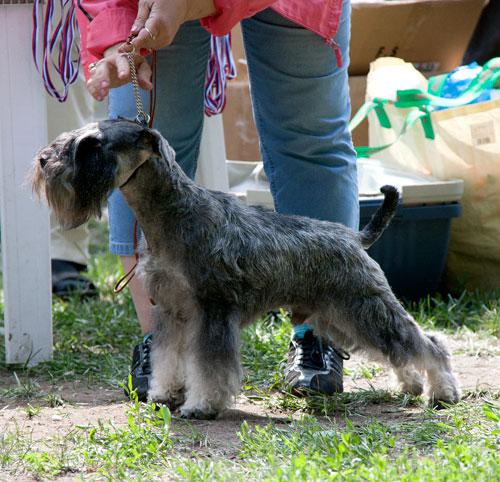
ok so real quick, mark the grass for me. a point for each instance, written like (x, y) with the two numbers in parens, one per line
(363, 435)
(310, 451)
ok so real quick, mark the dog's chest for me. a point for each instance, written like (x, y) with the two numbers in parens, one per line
(166, 283)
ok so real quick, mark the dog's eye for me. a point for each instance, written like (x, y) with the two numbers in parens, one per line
(43, 161)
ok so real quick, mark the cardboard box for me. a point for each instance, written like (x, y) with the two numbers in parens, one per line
(357, 92)
(432, 34)
(240, 134)
(238, 52)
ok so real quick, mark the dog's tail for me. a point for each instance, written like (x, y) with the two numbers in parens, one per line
(380, 220)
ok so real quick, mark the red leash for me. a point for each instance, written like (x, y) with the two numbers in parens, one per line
(126, 278)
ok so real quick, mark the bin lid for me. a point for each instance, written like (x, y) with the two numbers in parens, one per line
(415, 189)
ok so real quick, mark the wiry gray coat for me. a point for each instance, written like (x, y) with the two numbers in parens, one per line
(213, 264)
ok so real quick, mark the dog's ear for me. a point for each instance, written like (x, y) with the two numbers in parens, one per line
(146, 139)
(95, 164)
(163, 148)
(85, 148)
(94, 172)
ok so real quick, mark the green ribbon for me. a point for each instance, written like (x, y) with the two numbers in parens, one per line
(411, 118)
(423, 103)
(486, 80)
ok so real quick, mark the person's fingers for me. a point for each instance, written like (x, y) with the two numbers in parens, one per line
(151, 34)
(96, 89)
(156, 34)
(158, 21)
(144, 76)
(123, 68)
(104, 76)
(144, 40)
(142, 15)
(97, 78)
(114, 71)
(161, 25)
(90, 88)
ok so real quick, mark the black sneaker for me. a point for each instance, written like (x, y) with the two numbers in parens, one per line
(314, 365)
(141, 370)
(68, 280)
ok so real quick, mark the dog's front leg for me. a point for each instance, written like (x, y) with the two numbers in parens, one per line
(168, 360)
(213, 372)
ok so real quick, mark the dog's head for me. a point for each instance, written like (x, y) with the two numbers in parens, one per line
(79, 169)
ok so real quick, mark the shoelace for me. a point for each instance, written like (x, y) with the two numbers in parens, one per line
(341, 353)
(145, 357)
(313, 354)
(310, 354)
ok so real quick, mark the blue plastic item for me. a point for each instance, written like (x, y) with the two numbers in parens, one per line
(412, 250)
(457, 81)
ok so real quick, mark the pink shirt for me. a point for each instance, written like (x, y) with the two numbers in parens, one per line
(104, 23)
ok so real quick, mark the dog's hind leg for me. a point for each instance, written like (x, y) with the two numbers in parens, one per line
(213, 372)
(443, 386)
(386, 331)
(431, 356)
(168, 360)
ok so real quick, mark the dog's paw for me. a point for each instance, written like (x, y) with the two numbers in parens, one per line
(445, 392)
(409, 381)
(415, 387)
(198, 414)
(172, 401)
(444, 398)
(171, 404)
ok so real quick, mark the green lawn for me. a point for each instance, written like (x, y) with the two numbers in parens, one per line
(320, 438)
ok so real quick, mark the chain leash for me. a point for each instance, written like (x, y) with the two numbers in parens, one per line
(129, 49)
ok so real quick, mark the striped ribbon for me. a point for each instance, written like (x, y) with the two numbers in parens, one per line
(220, 68)
(55, 53)
(61, 39)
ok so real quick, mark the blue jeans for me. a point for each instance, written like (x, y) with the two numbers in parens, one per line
(301, 107)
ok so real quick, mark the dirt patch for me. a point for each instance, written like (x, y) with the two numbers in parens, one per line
(476, 362)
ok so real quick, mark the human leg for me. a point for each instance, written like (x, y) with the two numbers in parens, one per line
(121, 235)
(301, 107)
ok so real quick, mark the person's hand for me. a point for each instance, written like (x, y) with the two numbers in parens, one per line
(157, 21)
(114, 71)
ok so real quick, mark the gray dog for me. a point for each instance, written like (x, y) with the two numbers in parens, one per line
(213, 265)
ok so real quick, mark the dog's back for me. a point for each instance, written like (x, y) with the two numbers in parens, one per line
(382, 217)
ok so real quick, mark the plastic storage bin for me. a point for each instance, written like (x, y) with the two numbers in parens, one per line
(412, 250)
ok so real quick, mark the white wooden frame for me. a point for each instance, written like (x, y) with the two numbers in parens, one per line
(24, 221)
